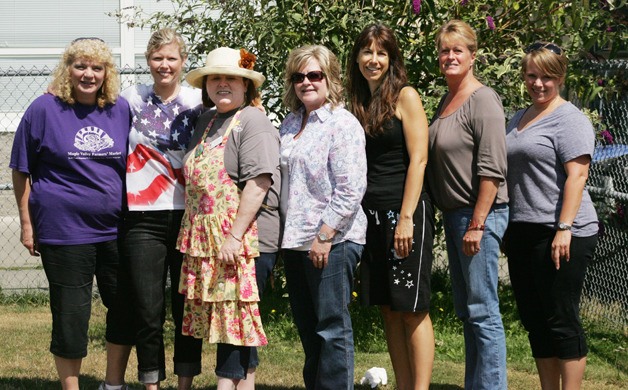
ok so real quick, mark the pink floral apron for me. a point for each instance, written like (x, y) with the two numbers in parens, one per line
(221, 300)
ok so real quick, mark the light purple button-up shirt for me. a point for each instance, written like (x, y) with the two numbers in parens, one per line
(326, 177)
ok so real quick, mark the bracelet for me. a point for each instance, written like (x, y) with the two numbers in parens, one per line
(476, 227)
(236, 238)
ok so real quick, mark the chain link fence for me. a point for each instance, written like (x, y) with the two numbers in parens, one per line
(606, 290)
(605, 295)
(19, 272)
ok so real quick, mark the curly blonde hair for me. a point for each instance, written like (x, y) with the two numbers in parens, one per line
(90, 49)
(329, 65)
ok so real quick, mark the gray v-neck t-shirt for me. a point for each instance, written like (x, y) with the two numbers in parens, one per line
(536, 172)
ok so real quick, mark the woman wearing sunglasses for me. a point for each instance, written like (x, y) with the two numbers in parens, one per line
(466, 175)
(323, 167)
(553, 227)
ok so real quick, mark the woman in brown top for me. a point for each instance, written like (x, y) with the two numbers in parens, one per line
(466, 175)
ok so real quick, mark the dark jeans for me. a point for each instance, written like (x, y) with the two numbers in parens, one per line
(147, 253)
(233, 361)
(70, 270)
(548, 300)
(319, 300)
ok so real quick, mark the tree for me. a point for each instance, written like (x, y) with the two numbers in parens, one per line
(270, 29)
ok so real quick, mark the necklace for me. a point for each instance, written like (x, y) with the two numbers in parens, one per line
(171, 97)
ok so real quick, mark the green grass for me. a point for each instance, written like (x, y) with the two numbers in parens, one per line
(25, 362)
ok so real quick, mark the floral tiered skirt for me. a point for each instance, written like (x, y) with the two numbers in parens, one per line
(220, 299)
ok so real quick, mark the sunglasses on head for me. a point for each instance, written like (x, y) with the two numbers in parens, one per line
(540, 45)
(313, 76)
(87, 39)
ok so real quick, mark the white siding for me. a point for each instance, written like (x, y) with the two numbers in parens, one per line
(33, 34)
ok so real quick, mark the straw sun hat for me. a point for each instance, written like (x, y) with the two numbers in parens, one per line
(229, 62)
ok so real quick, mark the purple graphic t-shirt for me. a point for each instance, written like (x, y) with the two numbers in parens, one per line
(76, 156)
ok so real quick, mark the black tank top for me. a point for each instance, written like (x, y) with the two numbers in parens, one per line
(387, 160)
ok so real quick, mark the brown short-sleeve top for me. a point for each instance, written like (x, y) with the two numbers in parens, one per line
(467, 144)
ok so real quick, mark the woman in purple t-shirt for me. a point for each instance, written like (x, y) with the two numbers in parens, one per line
(68, 161)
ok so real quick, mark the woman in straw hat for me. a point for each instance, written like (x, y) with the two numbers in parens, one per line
(230, 231)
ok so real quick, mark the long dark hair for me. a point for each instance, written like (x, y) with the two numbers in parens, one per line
(373, 111)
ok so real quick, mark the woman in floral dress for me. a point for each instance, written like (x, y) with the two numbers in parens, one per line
(232, 188)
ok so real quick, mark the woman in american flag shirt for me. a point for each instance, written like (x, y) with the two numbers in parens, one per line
(164, 116)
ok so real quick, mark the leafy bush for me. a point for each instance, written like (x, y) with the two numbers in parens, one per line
(270, 29)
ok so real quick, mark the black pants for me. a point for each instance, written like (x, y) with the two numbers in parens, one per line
(70, 270)
(548, 299)
(147, 254)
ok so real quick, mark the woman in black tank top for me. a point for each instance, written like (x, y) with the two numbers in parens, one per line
(396, 264)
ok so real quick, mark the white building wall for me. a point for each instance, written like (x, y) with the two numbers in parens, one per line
(34, 33)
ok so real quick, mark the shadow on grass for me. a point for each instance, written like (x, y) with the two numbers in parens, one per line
(257, 386)
(91, 383)
(609, 346)
(8, 383)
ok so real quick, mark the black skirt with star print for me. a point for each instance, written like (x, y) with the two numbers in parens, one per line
(386, 279)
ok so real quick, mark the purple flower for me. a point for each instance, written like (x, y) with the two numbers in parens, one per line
(600, 82)
(620, 210)
(490, 22)
(608, 137)
(463, 2)
(416, 6)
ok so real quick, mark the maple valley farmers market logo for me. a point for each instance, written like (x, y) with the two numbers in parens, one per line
(92, 143)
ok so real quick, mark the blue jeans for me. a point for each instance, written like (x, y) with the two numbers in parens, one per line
(474, 282)
(233, 361)
(319, 300)
(70, 270)
(147, 254)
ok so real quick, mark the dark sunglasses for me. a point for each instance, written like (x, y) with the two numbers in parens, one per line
(313, 76)
(87, 39)
(540, 45)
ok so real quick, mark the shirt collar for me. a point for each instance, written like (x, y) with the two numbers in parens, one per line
(323, 113)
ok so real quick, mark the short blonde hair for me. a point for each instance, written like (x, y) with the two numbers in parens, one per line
(90, 49)
(457, 30)
(329, 65)
(166, 36)
(548, 61)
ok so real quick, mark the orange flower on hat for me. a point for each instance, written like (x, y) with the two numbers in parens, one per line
(247, 60)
